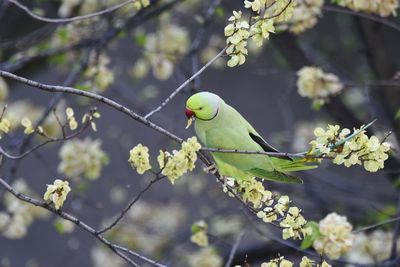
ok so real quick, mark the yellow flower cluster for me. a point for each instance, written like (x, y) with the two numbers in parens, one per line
(336, 237)
(206, 257)
(3, 90)
(19, 215)
(313, 83)
(199, 234)
(57, 193)
(369, 248)
(27, 124)
(71, 118)
(98, 74)
(282, 262)
(305, 16)
(383, 8)
(171, 165)
(139, 158)
(90, 117)
(19, 112)
(82, 158)
(254, 192)
(294, 225)
(239, 30)
(273, 208)
(175, 165)
(278, 262)
(163, 48)
(238, 33)
(350, 148)
(139, 4)
(4, 125)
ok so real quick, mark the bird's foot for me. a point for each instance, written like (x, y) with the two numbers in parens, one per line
(211, 169)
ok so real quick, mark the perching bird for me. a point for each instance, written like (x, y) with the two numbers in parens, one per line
(219, 125)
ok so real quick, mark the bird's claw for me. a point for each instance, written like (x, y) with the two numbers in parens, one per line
(211, 169)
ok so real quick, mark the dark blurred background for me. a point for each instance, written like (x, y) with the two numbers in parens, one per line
(263, 90)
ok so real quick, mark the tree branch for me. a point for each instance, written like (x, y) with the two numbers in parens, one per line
(113, 247)
(234, 248)
(99, 98)
(177, 90)
(127, 208)
(375, 18)
(67, 20)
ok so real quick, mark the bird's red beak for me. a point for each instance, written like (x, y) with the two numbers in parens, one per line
(189, 113)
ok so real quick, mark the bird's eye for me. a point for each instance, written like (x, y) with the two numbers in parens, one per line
(200, 108)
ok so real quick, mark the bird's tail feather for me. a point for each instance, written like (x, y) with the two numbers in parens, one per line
(275, 176)
(292, 166)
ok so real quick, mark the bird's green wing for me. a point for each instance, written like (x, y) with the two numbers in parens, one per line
(231, 171)
(256, 137)
(266, 147)
(275, 176)
(281, 163)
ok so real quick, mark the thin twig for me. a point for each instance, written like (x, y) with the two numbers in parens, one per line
(281, 12)
(129, 206)
(381, 20)
(369, 227)
(26, 153)
(234, 248)
(99, 98)
(388, 83)
(115, 248)
(396, 232)
(194, 49)
(177, 90)
(276, 154)
(66, 20)
(137, 19)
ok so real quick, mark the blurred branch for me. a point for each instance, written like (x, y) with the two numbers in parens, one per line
(177, 90)
(49, 140)
(135, 20)
(388, 83)
(396, 232)
(375, 18)
(17, 64)
(194, 49)
(369, 227)
(99, 98)
(113, 247)
(66, 20)
(234, 248)
(383, 103)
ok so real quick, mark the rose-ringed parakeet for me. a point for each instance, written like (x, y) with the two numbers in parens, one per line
(219, 125)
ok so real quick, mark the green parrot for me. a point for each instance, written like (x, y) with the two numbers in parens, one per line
(219, 125)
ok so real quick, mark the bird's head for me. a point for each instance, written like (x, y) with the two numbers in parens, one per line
(203, 106)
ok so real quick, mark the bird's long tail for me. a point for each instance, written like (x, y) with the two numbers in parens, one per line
(300, 164)
(275, 176)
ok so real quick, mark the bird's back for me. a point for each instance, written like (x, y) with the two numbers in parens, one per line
(229, 130)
